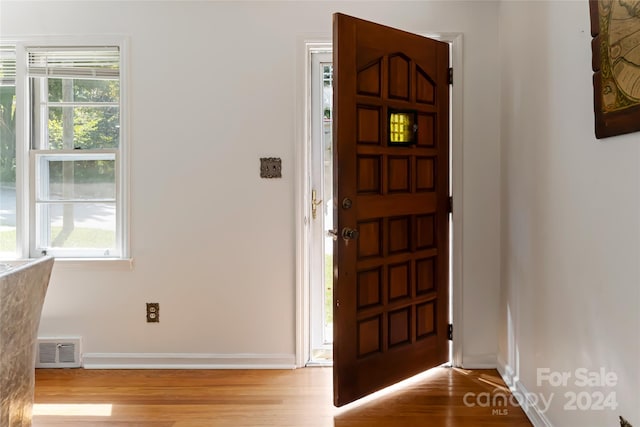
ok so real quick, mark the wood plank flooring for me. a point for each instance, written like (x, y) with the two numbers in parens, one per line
(256, 398)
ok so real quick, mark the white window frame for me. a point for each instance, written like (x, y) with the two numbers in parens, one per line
(25, 156)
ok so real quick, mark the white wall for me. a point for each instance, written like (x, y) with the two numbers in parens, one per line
(570, 219)
(213, 90)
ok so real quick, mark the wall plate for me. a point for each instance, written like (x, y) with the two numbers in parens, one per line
(270, 167)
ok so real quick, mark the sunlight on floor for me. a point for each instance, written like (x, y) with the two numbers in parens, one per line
(71, 409)
(387, 391)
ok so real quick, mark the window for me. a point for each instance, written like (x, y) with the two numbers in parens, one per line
(8, 246)
(73, 145)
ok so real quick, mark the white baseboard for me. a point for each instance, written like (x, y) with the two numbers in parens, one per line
(479, 361)
(187, 361)
(533, 412)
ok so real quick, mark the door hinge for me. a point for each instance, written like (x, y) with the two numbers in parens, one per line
(450, 332)
(450, 75)
(450, 207)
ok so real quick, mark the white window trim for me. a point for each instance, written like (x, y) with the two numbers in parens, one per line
(23, 211)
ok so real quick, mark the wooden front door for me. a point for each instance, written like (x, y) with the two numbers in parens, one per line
(391, 206)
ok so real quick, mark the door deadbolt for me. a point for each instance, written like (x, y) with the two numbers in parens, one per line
(350, 233)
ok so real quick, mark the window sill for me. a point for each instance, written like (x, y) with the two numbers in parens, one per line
(105, 264)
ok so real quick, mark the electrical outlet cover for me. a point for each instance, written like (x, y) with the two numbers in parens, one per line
(153, 312)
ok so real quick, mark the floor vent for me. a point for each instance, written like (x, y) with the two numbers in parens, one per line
(58, 353)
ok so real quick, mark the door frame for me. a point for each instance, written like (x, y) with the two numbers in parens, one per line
(302, 192)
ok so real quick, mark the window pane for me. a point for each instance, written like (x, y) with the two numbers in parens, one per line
(7, 169)
(85, 90)
(79, 180)
(84, 127)
(77, 225)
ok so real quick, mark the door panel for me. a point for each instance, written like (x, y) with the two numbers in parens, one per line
(391, 186)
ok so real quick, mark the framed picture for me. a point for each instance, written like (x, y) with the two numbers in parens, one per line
(615, 28)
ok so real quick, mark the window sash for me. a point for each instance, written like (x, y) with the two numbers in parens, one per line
(42, 225)
(41, 159)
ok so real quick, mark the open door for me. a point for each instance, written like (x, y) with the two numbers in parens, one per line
(391, 206)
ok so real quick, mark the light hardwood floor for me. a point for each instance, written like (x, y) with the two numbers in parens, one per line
(252, 398)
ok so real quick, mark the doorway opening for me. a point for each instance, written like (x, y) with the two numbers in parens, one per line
(321, 220)
(314, 326)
